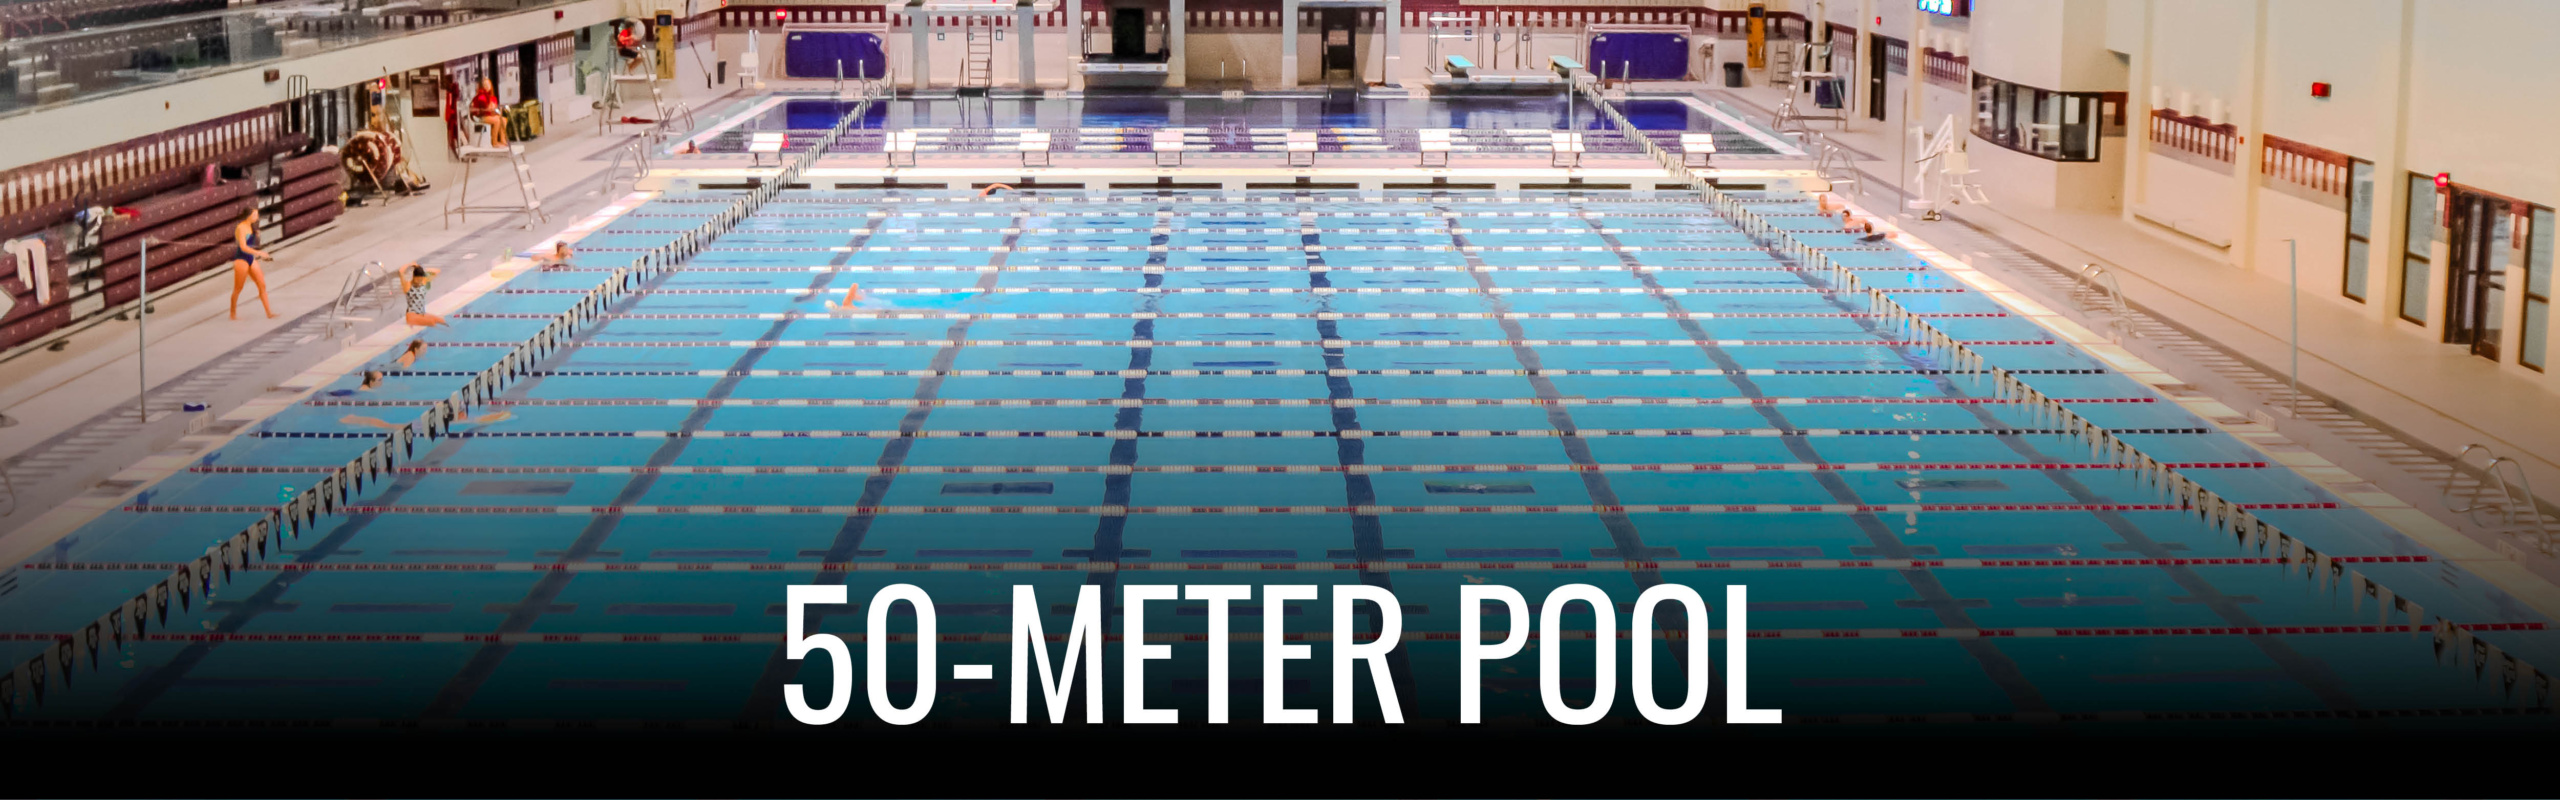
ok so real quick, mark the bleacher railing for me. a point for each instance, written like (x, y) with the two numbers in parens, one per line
(30, 679)
(2530, 686)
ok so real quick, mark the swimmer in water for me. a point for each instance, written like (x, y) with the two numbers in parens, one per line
(490, 418)
(853, 299)
(372, 380)
(560, 255)
(409, 355)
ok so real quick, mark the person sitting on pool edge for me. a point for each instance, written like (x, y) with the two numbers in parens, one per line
(414, 280)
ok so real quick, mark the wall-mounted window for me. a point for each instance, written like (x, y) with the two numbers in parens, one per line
(2418, 233)
(2537, 288)
(2062, 126)
(2359, 228)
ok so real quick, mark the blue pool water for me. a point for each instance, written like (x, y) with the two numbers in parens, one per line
(1419, 393)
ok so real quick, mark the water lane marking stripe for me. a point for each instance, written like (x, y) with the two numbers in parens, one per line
(1105, 510)
(1289, 315)
(1233, 373)
(1379, 344)
(1409, 636)
(1240, 290)
(1327, 433)
(1179, 402)
(1208, 469)
(1443, 565)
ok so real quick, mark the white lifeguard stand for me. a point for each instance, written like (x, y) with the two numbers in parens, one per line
(751, 65)
(1941, 170)
(480, 150)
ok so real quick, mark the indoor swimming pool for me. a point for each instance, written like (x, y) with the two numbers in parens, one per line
(1419, 391)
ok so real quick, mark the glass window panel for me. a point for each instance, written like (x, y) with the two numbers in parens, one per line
(2420, 226)
(2358, 256)
(2537, 333)
(2538, 253)
(2360, 199)
(2413, 289)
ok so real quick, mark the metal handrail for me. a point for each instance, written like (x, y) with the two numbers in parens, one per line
(2517, 509)
(349, 293)
(632, 155)
(2095, 279)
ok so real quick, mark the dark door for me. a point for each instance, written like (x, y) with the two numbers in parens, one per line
(529, 71)
(1875, 77)
(1340, 27)
(1128, 34)
(2477, 296)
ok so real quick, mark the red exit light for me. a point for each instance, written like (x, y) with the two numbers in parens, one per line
(2319, 89)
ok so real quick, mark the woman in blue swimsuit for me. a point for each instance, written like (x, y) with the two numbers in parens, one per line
(245, 266)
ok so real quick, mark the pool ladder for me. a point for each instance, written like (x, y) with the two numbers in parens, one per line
(2512, 512)
(2097, 285)
(630, 164)
(353, 297)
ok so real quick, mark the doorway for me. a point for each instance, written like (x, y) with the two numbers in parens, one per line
(1128, 34)
(2476, 296)
(1340, 34)
(1875, 78)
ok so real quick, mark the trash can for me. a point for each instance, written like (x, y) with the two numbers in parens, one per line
(1733, 74)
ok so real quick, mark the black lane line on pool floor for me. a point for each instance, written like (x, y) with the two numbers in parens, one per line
(2312, 674)
(1622, 528)
(1368, 534)
(484, 663)
(155, 682)
(764, 699)
(1997, 665)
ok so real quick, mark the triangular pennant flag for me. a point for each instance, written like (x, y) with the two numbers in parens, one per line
(2355, 593)
(2417, 617)
(2382, 594)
